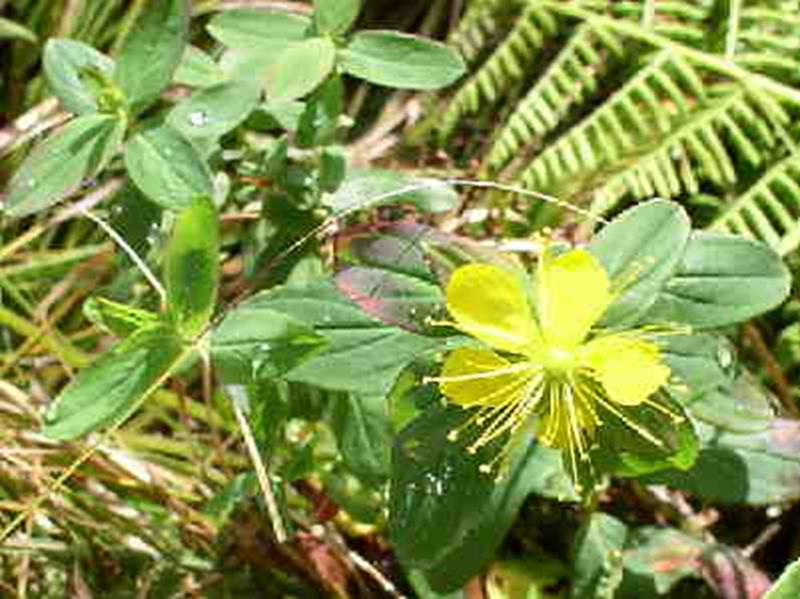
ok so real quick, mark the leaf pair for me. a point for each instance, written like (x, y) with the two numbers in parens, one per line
(108, 391)
(105, 95)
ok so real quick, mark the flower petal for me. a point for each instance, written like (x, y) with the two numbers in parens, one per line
(573, 291)
(490, 304)
(630, 370)
(477, 378)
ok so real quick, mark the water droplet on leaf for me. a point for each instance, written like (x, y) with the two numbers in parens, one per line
(198, 118)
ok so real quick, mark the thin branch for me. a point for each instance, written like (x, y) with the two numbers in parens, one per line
(140, 264)
(782, 387)
(278, 527)
(42, 117)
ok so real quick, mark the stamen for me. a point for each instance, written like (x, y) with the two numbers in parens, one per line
(643, 432)
(512, 415)
(486, 412)
(674, 416)
(486, 374)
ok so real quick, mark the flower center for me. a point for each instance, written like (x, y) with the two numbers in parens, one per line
(558, 360)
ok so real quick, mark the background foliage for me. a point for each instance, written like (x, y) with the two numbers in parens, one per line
(141, 124)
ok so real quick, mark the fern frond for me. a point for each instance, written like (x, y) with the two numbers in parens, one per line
(643, 108)
(479, 26)
(504, 68)
(631, 99)
(570, 78)
(770, 209)
(726, 130)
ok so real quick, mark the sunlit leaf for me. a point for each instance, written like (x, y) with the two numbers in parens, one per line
(401, 60)
(68, 66)
(152, 51)
(191, 267)
(57, 166)
(111, 388)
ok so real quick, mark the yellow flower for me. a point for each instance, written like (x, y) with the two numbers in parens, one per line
(550, 362)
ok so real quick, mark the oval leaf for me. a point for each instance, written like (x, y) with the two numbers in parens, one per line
(534, 469)
(363, 355)
(152, 51)
(788, 585)
(167, 168)
(370, 187)
(335, 16)
(437, 491)
(255, 343)
(215, 110)
(394, 298)
(67, 66)
(641, 249)
(721, 280)
(192, 267)
(401, 60)
(597, 561)
(363, 434)
(112, 387)
(55, 168)
(267, 31)
(299, 69)
(758, 468)
(198, 69)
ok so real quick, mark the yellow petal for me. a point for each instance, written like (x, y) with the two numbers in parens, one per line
(490, 304)
(630, 370)
(476, 377)
(572, 293)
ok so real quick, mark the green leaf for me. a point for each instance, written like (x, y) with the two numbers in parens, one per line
(67, 68)
(167, 168)
(215, 110)
(757, 468)
(699, 361)
(332, 167)
(12, 30)
(192, 267)
(401, 60)
(363, 434)
(742, 405)
(110, 389)
(283, 115)
(320, 119)
(597, 560)
(299, 69)
(394, 298)
(641, 249)
(469, 554)
(56, 167)
(198, 69)
(119, 319)
(722, 280)
(437, 492)
(264, 31)
(242, 63)
(363, 355)
(370, 187)
(152, 51)
(648, 440)
(335, 17)
(254, 342)
(788, 585)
